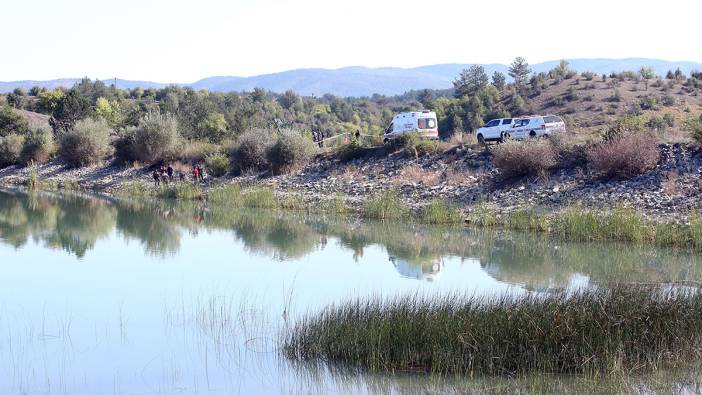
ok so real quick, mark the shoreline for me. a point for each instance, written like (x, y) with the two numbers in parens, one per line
(463, 176)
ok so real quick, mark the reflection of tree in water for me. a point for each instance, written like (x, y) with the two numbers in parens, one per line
(71, 224)
(151, 226)
(75, 223)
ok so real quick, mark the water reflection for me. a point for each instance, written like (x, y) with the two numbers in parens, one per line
(74, 223)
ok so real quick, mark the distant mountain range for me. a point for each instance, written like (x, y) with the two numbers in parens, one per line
(364, 81)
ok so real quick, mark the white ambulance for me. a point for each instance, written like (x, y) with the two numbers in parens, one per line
(422, 122)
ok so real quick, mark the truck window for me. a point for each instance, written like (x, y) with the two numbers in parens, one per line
(492, 123)
(507, 121)
(552, 119)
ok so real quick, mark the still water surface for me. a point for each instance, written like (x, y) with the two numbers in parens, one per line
(102, 296)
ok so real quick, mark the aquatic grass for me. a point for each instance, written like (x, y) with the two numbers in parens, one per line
(591, 331)
(575, 223)
(292, 202)
(224, 194)
(259, 197)
(336, 205)
(179, 191)
(386, 205)
(32, 176)
(440, 212)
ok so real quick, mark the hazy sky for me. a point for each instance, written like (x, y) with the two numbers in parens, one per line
(182, 41)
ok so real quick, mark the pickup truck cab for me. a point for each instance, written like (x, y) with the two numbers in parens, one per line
(535, 126)
(494, 130)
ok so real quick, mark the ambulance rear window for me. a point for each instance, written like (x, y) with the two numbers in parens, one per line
(426, 123)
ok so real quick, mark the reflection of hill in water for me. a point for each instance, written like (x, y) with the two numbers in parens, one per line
(75, 223)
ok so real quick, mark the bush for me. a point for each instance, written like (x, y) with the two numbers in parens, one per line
(414, 145)
(10, 149)
(39, 145)
(524, 158)
(695, 128)
(622, 126)
(291, 150)
(11, 122)
(251, 149)
(86, 143)
(588, 75)
(154, 138)
(625, 156)
(217, 164)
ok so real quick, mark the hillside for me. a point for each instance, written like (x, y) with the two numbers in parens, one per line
(363, 81)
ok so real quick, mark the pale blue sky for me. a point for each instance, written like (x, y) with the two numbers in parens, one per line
(182, 41)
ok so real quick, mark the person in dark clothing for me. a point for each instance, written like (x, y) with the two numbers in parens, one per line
(181, 176)
(169, 171)
(156, 178)
(201, 172)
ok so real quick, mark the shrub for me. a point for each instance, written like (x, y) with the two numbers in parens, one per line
(196, 151)
(291, 150)
(153, 139)
(525, 158)
(668, 100)
(217, 164)
(648, 102)
(623, 125)
(588, 75)
(39, 145)
(350, 151)
(414, 145)
(86, 143)
(625, 156)
(11, 122)
(657, 123)
(10, 149)
(250, 150)
(695, 128)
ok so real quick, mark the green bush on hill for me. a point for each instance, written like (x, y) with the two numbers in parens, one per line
(86, 143)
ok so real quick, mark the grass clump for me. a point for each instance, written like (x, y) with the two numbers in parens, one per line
(593, 331)
(626, 155)
(524, 158)
(86, 143)
(179, 191)
(440, 212)
(259, 197)
(387, 205)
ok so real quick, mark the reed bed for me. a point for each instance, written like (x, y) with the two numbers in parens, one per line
(601, 331)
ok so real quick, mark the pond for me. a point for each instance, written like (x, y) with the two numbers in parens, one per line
(99, 295)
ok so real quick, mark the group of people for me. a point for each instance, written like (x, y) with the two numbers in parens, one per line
(166, 174)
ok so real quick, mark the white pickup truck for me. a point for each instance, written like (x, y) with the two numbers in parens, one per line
(494, 130)
(536, 126)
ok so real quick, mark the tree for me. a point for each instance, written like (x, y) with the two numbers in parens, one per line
(519, 70)
(70, 109)
(108, 110)
(498, 80)
(426, 97)
(470, 81)
(646, 74)
(49, 100)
